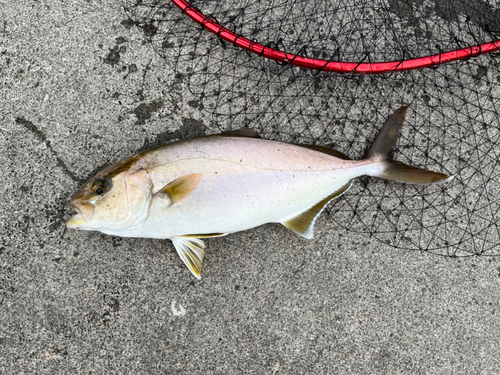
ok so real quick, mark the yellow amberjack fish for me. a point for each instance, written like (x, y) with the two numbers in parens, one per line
(220, 184)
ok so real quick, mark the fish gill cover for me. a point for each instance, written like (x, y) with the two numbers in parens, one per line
(453, 124)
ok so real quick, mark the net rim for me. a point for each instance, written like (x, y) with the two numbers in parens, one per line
(328, 65)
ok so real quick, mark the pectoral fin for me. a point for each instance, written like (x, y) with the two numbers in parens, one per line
(180, 189)
(303, 223)
(191, 251)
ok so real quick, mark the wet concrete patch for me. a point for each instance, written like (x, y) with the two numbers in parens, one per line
(190, 128)
(144, 111)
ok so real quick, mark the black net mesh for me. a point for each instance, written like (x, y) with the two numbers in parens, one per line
(453, 124)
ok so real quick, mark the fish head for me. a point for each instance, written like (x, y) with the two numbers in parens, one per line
(114, 200)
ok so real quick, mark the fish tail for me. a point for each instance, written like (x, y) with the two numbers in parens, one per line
(395, 170)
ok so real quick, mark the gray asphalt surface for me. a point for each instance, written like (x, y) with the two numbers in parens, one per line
(79, 90)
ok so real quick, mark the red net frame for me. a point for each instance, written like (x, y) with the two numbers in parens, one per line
(332, 66)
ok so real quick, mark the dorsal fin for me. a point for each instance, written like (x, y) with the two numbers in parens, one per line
(179, 189)
(327, 150)
(243, 132)
(191, 251)
(303, 223)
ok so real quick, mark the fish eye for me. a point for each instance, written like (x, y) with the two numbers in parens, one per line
(100, 187)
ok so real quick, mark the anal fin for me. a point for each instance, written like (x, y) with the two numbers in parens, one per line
(191, 251)
(303, 223)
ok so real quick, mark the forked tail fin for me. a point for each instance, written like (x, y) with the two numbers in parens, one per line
(394, 170)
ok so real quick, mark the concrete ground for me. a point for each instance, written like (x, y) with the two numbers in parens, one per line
(79, 90)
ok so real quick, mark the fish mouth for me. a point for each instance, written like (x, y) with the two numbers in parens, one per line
(84, 210)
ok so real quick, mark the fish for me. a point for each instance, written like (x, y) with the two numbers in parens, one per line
(216, 185)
